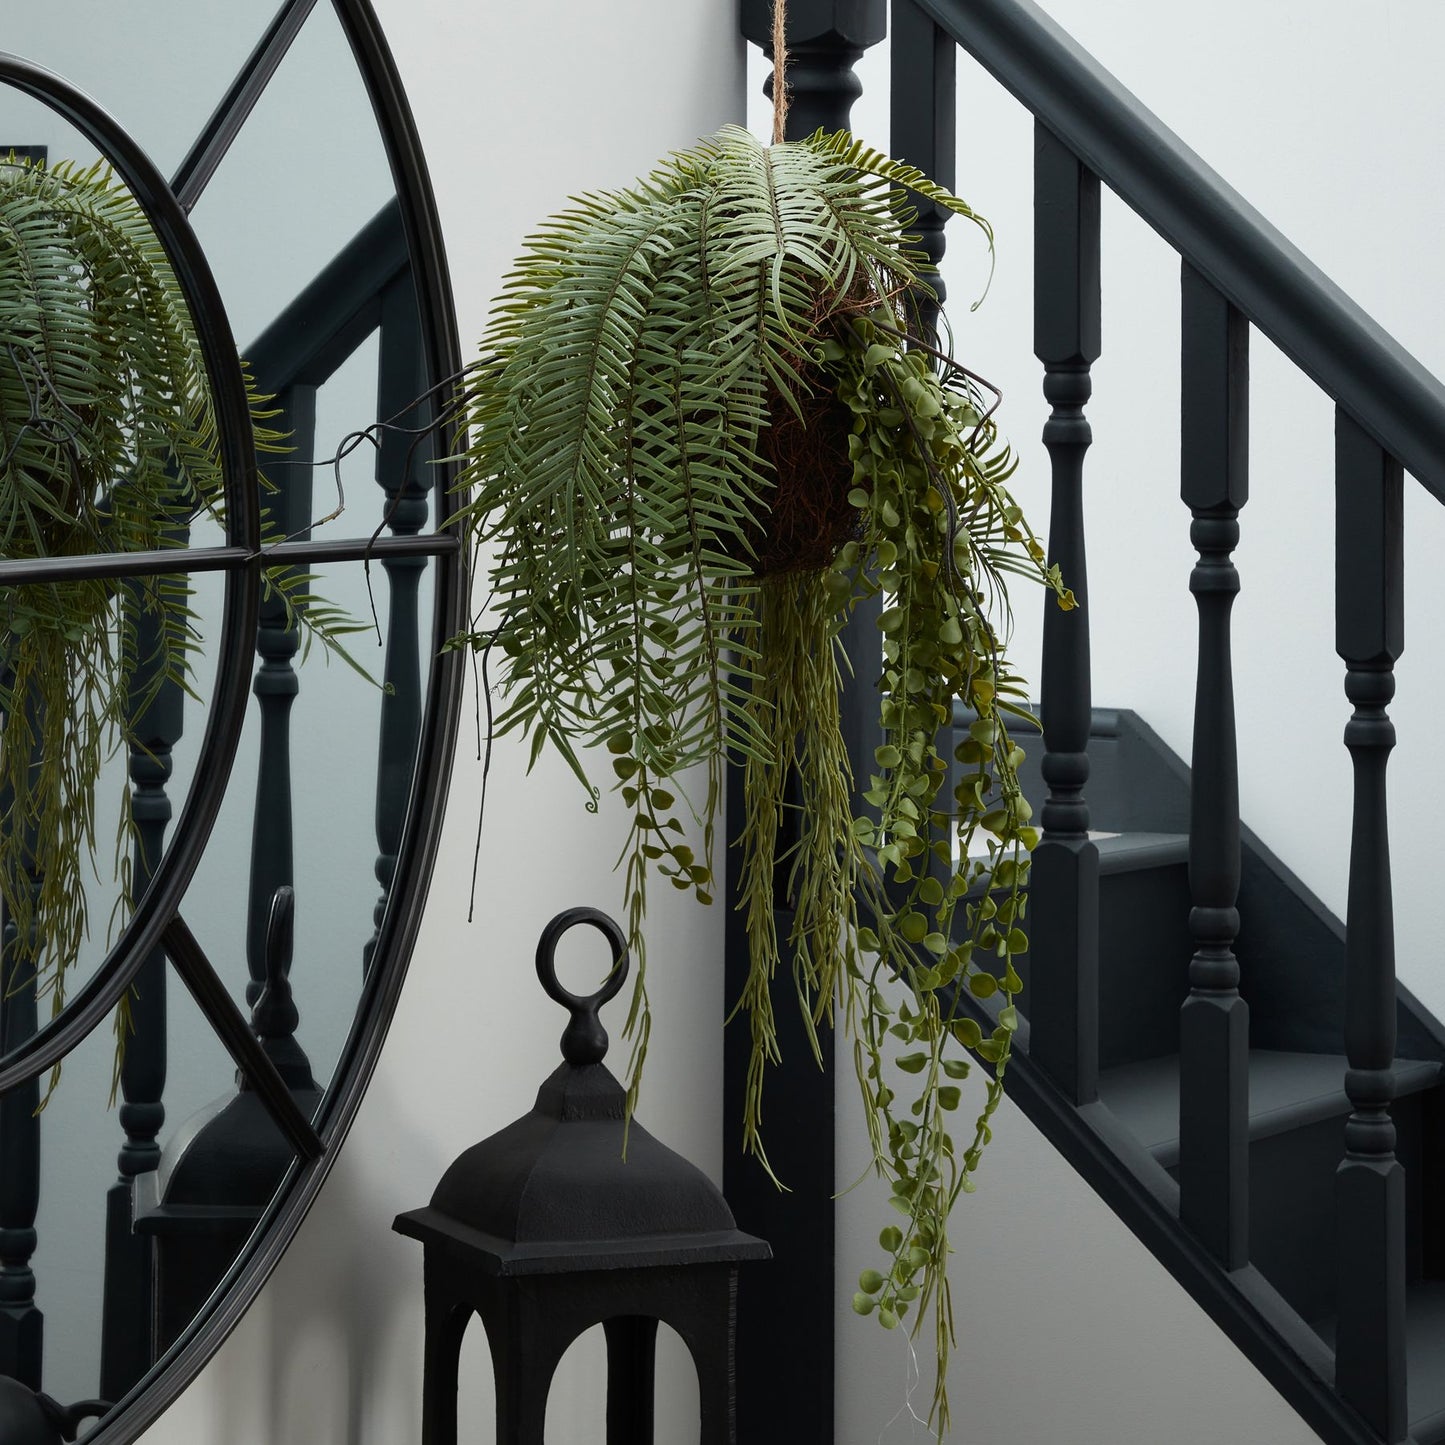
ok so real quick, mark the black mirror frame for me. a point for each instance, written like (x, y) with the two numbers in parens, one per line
(153, 1394)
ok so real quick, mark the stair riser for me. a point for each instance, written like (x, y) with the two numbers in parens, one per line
(1144, 952)
(1292, 1219)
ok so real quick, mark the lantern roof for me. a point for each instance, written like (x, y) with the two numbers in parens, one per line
(573, 1185)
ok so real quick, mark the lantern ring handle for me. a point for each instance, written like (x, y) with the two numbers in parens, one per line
(584, 1041)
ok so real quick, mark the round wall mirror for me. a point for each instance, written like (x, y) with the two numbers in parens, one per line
(198, 964)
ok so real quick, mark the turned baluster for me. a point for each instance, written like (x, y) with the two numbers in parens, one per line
(276, 686)
(126, 1351)
(1370, 1183)
(22, 1326)
(402, 474)
(1063, 994)
(922, 130)
(1214, 1022)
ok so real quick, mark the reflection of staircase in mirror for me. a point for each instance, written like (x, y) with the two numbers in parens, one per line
(202, 1204)
(366, 290)
(175, 1221)
(219, 1172)
(294, 207)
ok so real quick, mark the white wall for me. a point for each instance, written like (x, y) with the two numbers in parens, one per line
(1328, 123)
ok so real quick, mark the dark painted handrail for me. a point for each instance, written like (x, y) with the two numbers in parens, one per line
(1351, 357)
(336, 311)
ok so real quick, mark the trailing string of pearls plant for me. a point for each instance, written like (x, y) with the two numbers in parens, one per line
(705, 428)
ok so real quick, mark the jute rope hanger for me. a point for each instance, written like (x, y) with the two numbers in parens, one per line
(780, 69)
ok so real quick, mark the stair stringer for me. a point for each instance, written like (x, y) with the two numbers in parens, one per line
(1138, 784)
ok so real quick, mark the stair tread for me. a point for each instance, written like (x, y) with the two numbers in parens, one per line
(1126, 852)
(1424, 1354)
(1286, 1090)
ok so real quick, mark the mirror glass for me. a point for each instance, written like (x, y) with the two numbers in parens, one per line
(149, 1167)
(159, 67)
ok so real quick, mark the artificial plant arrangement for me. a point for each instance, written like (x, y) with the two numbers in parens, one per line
(702, 433)
(108, 443)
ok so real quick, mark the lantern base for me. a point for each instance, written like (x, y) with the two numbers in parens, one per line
(532, 1320)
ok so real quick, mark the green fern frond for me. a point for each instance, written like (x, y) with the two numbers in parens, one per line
(108, 443)
(623, 481)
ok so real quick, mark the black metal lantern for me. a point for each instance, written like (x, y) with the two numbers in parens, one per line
(546, 1229)
(29, 1418)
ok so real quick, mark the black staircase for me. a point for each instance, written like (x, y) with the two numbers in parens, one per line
(1238, 1075)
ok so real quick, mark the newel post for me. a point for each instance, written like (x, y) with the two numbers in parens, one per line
(826, 39)
(785, 1317)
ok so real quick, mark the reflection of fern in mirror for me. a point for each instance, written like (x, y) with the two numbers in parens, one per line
(107, 444)
(693, 379)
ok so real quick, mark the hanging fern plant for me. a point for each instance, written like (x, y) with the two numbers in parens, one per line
(701, 438)
(108, 443)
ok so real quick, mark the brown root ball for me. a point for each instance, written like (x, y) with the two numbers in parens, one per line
(809, 516)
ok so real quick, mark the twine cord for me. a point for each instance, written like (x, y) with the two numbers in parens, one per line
(780, 69)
